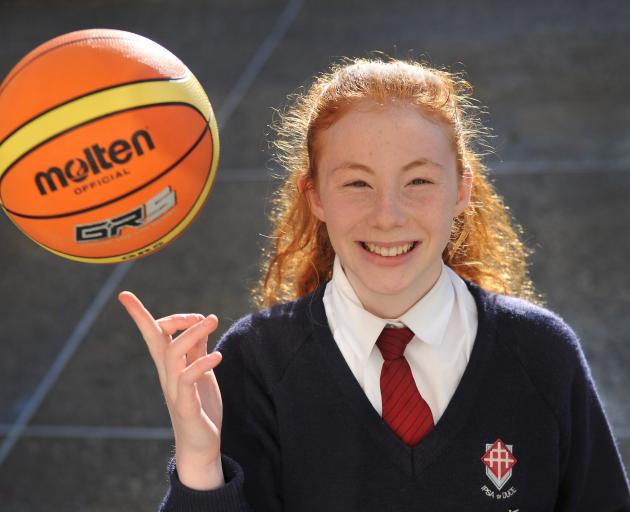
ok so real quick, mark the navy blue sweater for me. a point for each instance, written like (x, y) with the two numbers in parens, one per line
(524, 430)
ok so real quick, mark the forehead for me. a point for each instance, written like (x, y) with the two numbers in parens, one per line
(384, 133)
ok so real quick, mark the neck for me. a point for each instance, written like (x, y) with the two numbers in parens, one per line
(394, 305)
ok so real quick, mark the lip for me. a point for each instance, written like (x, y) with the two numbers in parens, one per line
(389, 261)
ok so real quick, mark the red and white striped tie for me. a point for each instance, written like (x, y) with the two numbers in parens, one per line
(404, 409)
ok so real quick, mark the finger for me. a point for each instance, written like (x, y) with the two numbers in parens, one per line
(173, 323)
(175, 360)
(140, 315)
(197, 351)
(207, 387)
(151, 332)
(190, 337)
(187, 396)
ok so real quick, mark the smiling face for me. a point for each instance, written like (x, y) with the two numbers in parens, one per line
(388, 189)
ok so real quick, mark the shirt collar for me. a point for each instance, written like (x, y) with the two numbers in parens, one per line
(428, 318)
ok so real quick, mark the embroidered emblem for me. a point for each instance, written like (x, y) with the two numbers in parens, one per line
(499, 462)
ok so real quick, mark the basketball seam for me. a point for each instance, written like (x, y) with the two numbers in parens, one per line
(113, 200)
(4, 85)
(96, 91)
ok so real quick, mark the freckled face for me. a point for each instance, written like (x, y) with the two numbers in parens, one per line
(388, 190)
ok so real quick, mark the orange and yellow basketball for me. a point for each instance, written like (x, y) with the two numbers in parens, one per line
(108, 146)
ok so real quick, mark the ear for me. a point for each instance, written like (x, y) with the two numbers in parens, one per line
(464, 189)
(308, 188)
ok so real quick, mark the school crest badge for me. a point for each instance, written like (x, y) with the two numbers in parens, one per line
(499, 462)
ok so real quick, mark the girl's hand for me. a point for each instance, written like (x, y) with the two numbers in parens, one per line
(189, 386)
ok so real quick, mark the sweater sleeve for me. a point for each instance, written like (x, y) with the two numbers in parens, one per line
(250, 451)
(228, 498)
(593, 477)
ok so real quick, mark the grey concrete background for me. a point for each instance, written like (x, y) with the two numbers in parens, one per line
(554, 79)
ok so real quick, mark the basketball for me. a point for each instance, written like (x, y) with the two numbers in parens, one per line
(108, 146)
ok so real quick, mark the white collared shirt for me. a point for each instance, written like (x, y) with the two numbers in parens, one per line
(444, 323)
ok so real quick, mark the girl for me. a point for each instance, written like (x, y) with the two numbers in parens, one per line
(401, 362)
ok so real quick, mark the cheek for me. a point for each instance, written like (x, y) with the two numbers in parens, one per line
(343, 209)
(340, 218)
(434, 210)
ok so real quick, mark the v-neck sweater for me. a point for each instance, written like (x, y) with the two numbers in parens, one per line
(524, 430)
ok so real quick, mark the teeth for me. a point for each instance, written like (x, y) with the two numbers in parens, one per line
(389, 251)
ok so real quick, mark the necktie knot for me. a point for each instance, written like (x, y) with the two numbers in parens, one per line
(392, 342)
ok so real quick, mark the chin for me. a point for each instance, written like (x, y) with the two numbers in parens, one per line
(388, 289)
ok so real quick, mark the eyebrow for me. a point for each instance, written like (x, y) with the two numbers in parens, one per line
(419, 162)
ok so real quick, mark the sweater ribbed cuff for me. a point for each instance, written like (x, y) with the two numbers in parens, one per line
(228, 498)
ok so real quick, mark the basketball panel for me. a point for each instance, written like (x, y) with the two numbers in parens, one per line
(147, 219)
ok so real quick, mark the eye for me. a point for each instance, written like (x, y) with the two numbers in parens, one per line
(358, 184)
(419, 181)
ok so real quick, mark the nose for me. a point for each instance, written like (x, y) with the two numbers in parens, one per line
(388, 211)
